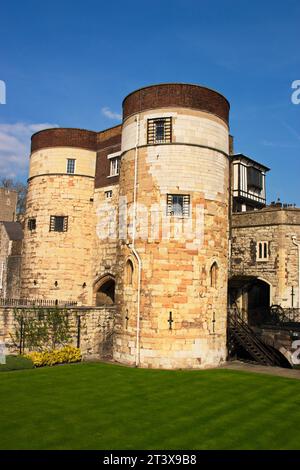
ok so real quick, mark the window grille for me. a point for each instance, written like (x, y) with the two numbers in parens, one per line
(159, 130)
(58, 223)
(178, 205)
(108, 194)
(31, 224)
(71, 166)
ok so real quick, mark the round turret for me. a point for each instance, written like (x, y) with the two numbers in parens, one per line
(59, 216)
(172, 256)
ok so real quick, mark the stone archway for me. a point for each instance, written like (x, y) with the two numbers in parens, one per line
(105, 290)
(258, 295)
(252, 295)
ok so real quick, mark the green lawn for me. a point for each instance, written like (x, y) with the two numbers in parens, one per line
(102, 406)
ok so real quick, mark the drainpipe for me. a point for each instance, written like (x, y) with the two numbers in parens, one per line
(137, 353)
(297, 244)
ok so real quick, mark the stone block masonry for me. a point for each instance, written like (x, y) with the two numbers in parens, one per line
(8, 205)
(91, 328)
(280, 269)
(176, 283)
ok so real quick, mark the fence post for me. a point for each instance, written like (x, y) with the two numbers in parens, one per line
(78, 330)
(21, 335)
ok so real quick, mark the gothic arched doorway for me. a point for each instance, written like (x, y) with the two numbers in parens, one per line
(251, 295)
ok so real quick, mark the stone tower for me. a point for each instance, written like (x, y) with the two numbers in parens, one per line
(8, 205)
(173, 249)
(59, 231)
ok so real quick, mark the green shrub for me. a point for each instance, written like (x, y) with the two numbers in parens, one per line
(16, 363)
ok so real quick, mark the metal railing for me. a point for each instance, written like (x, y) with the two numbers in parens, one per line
(248, 339)
(280, 316)
(7, 302)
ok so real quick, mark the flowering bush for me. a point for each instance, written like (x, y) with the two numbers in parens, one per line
(67, 354)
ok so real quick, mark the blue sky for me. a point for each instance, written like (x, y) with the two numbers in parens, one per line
(70, 63)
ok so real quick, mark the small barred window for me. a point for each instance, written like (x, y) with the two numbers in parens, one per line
(31, 224)
(159, 130)
(71, 166)
(58, 223)
(178, 205)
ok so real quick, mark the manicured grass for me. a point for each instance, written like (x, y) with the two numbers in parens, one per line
(102, 406)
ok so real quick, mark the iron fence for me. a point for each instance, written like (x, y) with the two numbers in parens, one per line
(274, 315)
(281, 316)
(6, 302)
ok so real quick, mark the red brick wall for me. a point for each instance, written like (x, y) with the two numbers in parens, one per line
(108, 141)
(63, 137)
(176, 94)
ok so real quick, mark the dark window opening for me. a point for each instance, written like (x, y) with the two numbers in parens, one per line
(129, 272)
(58, 223)
(31, 224)
(214, 275)
(254, 178)
(178, 205)
(105, 295)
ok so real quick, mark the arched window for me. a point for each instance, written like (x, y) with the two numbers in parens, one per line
(129, 272)
(214, 275)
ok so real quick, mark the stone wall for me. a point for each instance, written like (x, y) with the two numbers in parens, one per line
(104, 257)
(280, 270)
(96, 329)
(4, 251)
(281, 339)
(8, 205)
(13, 278)
(54, 161)
(57, 265)
(10, 265)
